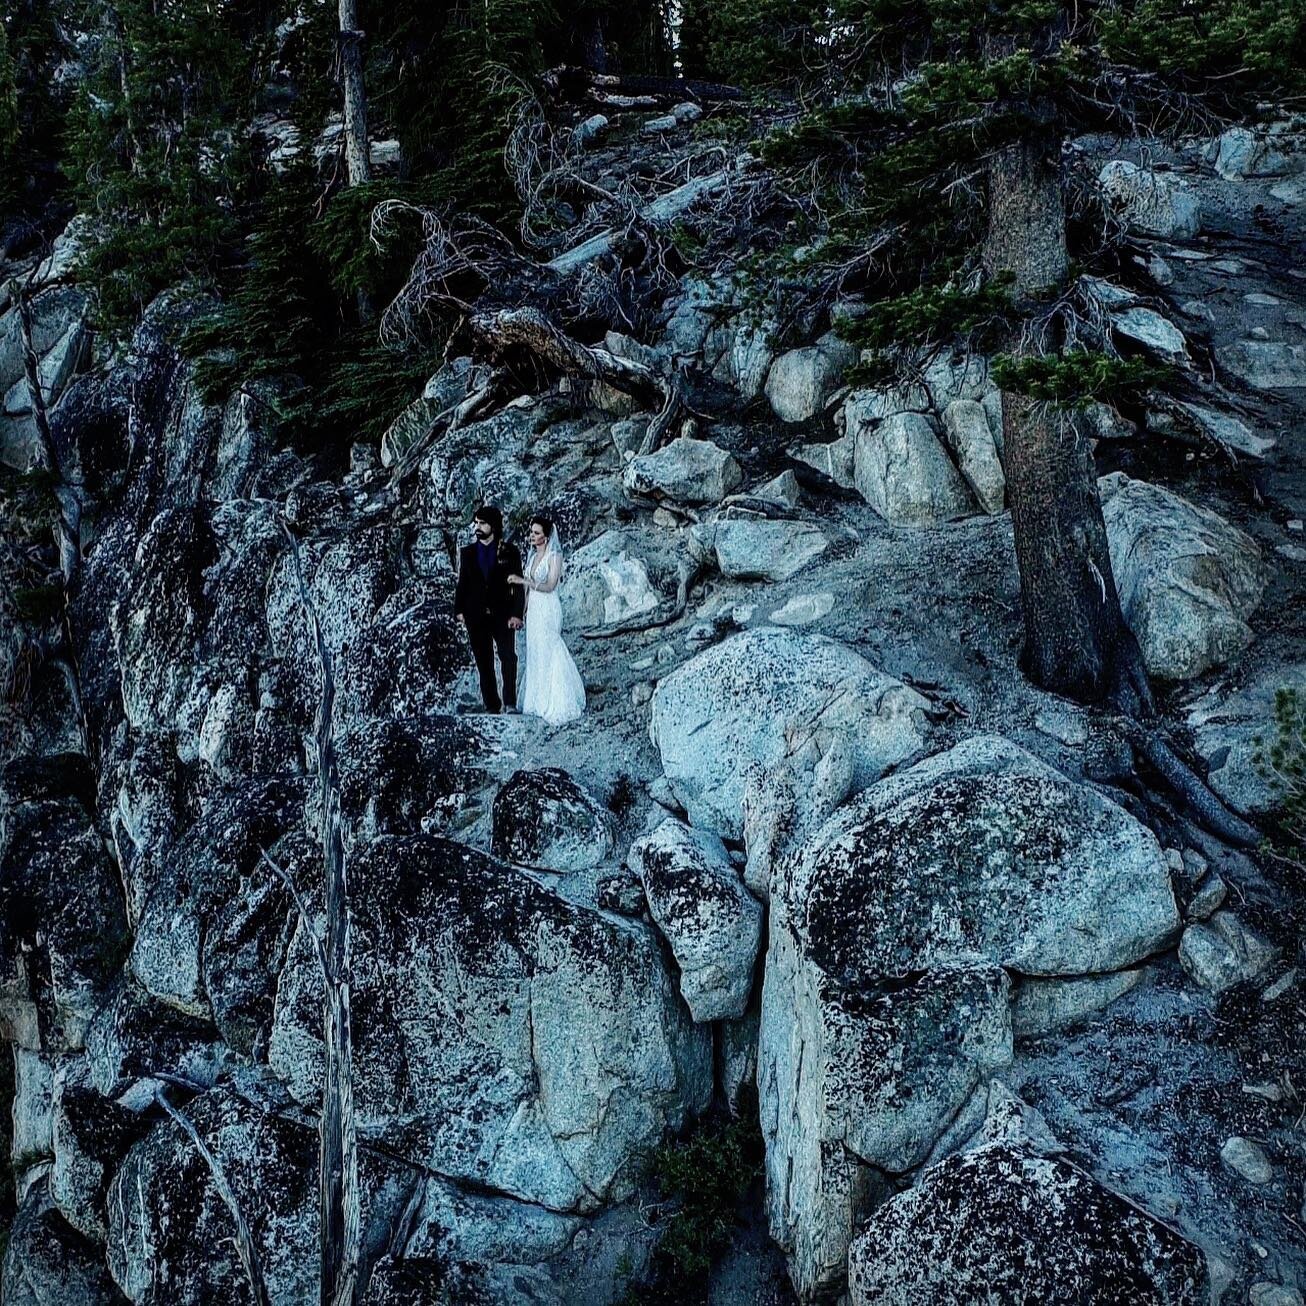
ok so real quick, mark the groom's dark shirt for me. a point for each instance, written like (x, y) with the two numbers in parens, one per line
(485, 555)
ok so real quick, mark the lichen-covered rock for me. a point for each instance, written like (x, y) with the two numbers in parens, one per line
(752, 698)
(686, 471)
(180, 887)
(713, 924)
(1188, 580)
(1153, 203)
(546, 820)
(170, 1232)
(903, 471)
(406, 663)
(134, 1037)
(982, 851)
(90, 1134)
(63, 924)
(501, 1034)
(402, 775)
(1000, 1223)
(48, 1263)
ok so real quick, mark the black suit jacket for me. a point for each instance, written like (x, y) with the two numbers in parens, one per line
(482, 598)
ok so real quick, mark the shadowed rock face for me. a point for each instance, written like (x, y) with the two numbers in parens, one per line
(63, 927)
(171, 1233)
(1003, 1224)
(545, 819)
(48, 1261)
(501, 1034)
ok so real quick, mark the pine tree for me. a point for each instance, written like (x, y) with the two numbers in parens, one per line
(157, 143)
(952, 168)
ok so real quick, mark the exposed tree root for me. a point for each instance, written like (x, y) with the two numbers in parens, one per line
(1194, 793)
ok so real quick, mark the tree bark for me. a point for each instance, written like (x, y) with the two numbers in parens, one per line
(358, 160)
(1076, 640)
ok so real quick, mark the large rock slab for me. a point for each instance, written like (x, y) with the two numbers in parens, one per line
(1188, 580)
(970, 438)
(501, 1034)
(903, 471)
(752, 549)
(713, 924)
(1266, 364)
(686, 471)
(1151, 203)
(982, 851)
(753, 698)
(90, 1134)
(616, 577)
(852, 1085)
(1002, 1223)
(887, 1001)
(802, 381)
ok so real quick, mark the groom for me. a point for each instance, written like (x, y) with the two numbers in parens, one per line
(490, 608)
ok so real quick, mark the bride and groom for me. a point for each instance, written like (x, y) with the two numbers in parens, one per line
(496, 596)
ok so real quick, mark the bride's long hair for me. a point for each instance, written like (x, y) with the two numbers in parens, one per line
(554, 542)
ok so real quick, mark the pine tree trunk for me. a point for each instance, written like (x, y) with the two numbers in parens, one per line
(357, 159)
(1076, 640)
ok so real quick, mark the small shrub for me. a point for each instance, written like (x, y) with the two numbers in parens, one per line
(1282, 761)
(1078, 378)
(701, 1180)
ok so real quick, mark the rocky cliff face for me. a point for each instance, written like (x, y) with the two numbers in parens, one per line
(1018, 1025)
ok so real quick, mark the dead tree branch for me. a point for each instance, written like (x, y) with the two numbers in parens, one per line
(531, 329)
(245, 1245)
(338, 1139)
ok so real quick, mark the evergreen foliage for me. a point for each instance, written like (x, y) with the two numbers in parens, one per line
(157, 144)
(900, 168)
(702, 1180)
(1281, 762)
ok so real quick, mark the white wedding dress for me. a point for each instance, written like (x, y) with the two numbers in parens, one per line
(553, 688)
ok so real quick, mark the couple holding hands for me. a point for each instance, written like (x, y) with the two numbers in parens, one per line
(496, 596)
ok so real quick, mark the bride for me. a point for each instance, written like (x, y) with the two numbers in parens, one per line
(553, 688)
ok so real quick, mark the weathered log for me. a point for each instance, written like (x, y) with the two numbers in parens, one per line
(531, 329)
(659, 212)
(571, 83)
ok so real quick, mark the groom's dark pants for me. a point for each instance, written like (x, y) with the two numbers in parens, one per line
(485, 635)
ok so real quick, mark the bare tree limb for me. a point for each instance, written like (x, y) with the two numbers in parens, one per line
(338, 1164)
(245, 1245)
